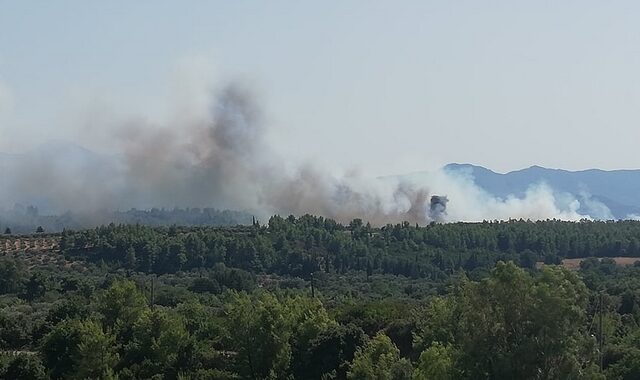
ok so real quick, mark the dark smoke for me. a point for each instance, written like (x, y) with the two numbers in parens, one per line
(222, 162)
(214, 162)
(438, 207)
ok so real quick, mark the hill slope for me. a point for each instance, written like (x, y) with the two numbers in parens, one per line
(619, 190)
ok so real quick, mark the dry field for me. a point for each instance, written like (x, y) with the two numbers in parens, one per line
(574, 264)
(36, 251)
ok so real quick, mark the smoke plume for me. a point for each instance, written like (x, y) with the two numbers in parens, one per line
(220, 158)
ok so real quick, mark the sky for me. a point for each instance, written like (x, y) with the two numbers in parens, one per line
(381, 87)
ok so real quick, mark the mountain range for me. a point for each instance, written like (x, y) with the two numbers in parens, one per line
(618, 190)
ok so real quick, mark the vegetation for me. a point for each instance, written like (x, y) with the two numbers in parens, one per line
(23, 220)
(308, 298)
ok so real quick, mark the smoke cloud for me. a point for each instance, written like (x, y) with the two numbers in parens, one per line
(220, 158)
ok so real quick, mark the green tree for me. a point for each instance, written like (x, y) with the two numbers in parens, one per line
(158, 341)
(77, 349)
(623, 357)
(330, 353)
(513, 325)
(36, 286)
(436, 363)
(12, 276)
(27, 367)
(434, 323)
(121, 305)
(258, 330)
(96, 355)
(628, 365)
(16, 328)
(307, 320)
(130, 258)
(379, 359)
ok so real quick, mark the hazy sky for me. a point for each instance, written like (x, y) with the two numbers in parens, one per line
(386, 87)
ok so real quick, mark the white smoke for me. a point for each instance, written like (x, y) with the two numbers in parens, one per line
(594, 207)
(469, 202)
(212, 152)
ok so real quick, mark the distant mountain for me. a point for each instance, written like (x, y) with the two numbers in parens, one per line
(619, 190)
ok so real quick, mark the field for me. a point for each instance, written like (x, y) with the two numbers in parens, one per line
(574, 264)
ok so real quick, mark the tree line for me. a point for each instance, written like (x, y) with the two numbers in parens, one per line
(509, 325)
(309, 298)
(308, 244)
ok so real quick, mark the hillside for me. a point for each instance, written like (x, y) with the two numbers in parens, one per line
(619, 190)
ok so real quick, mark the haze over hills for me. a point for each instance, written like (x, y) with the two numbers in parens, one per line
(60, 176)
(618, 190)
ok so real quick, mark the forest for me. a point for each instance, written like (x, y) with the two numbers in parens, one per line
(310, 298)
(24, 220)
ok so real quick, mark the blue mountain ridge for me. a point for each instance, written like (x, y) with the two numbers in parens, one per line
(619, 190)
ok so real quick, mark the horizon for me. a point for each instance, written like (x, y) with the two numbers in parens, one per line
(53, 142)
